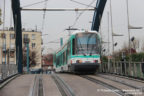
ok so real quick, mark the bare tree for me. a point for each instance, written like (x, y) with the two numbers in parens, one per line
(142, 47)
(32, 58)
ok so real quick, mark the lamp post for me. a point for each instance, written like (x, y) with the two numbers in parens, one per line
(115, 35)
(108, 43)
(111, 27)
(130, 27)
(129, 35)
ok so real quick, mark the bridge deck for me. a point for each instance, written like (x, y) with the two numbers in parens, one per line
(23, 86)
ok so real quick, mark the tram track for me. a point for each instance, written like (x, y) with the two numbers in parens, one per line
(125, 77)
(123, 80)
(40, 89)
(108, 86)
(37, 86)
(64, 89)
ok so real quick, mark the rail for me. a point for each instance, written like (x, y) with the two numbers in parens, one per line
(63, 87)
(130, 69)
(114, 89)
(7, 70)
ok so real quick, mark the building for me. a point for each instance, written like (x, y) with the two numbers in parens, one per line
(47, 62)
(7, 45)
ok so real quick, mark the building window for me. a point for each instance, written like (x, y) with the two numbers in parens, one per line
(4, 53)
(12, 36)
(12, 54)
(4, 46)
(3, 35)
(33, 36)
(12, 46)
(25, 35)
(33, 45)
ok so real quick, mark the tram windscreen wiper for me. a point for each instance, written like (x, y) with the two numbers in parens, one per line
(81, 48)
(95, 47)
(89, 37)
(91, 50)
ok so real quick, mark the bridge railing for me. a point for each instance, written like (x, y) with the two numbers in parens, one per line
(131, 69)
(7, 70)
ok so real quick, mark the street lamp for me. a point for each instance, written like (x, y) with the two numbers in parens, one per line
(115, 44)
(113, 34)
(116, 35)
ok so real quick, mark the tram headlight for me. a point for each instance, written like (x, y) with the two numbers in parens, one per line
(95, 61)
(78, 61)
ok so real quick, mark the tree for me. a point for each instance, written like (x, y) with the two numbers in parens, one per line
(32, 58)
(142, 46)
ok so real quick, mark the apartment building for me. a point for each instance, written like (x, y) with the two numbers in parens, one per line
(7, 45)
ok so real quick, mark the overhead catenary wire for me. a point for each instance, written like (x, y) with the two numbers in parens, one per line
(34, 3)
(77, 18)
(81, 3)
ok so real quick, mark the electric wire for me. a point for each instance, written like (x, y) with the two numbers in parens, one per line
(81, 3)
(34, 3)
(80, 14)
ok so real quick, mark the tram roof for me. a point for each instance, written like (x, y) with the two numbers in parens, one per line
(84, 31)
(74, 33)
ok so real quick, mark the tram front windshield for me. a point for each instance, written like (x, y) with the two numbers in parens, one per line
(87, 44)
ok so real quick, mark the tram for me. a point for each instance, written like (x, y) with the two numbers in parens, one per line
(81, 53)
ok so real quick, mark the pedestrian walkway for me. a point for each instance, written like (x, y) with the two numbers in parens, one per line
(18, 87)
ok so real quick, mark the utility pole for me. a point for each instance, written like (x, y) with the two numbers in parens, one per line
(108, 45)
(112, 28)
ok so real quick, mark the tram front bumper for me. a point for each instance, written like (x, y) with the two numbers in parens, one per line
(84, 66)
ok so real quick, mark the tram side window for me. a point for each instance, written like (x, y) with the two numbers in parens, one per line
(69, 48)
(58, 61)
(66, 56)
(73, 46)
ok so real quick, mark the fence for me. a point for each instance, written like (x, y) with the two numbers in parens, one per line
(132, 69)
(7, 70)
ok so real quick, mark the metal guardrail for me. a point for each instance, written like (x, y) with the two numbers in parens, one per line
(131, 69)
(7, 70)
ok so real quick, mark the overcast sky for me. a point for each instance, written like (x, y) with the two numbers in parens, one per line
(57, 22)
